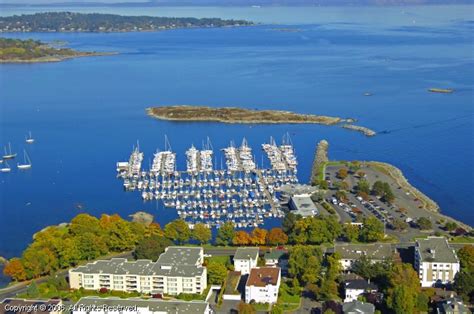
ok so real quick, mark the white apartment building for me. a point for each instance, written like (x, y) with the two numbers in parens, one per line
(263, 284)
(349, 253)
(435, 261)
(96, 305)
(245, 259)
(177, 270)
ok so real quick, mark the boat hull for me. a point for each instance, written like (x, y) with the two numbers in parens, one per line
(9, 156)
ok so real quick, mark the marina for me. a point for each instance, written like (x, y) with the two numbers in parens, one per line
(239, 192)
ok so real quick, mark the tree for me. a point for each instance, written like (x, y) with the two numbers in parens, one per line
(363, 186)
(354, 166)
(178, 231)
(329, 284)
(341, 196)
(241, 238)
(377, 271)
(151, 247)
(342, 173)
(225, 234)
(245, 308)
(117, 233)
(276, 236)
(361, 174)
(201, 233)
(372, 230)
(84, 223)
(466, 257)
(388, 195)
(305, 263)
(378, 188)
(289, 222)
(351, 232)
(424, 223)
(258, 236)
(14, 269)
(404, 289)
(90, 246)
(323, 185)
(399, 225)
(216, 273)
(464, 284)
(39, 262)
(32, 291)
(450, 226)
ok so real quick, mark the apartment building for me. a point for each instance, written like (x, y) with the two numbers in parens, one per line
(435, 261)
(350, 253)
(177, 270)
(245, 259)
(263, 284)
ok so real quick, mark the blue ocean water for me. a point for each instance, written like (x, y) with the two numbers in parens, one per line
(87, 113)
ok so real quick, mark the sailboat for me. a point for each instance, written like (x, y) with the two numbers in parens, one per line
(30, 139)
(27, 164)
(8, 153)
(6, 168)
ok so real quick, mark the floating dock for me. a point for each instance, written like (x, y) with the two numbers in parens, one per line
(241, 193)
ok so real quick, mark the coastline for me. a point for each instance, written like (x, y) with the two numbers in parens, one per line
(56, 58)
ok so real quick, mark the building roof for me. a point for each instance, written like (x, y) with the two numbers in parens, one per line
(377, 251)
(453, 306)
(275, 254)
(175, 261)
(436, 249)
(360, 284)
(175, 255)
(246, 253)
(154, 305)
(295, 189)
(304, 206)
(27, 306)
(263, 276)
(358, 307)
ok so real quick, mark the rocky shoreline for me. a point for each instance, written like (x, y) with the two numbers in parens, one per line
(364, 130)
(320, 157)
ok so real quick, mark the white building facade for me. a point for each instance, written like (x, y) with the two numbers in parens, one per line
(435, 261)
(263, 284)
(245, 259)
(177, 270)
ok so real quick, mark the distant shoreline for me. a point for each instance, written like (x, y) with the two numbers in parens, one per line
(49, 59)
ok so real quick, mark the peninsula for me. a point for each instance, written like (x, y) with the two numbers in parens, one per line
(238, 115)
(32, 51)
(96, 22)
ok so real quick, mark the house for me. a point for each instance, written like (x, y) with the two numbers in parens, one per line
(263, 284)
(245, 259)
(357, 307)
(177, 270)
(435, 261)
(355, 288)
(22, 306)
(452, 306)
(97, 305)
(349, 253)
(274, 257)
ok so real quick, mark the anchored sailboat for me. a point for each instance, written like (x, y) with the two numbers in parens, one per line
(27, 163)
(5, 168)
(29, 139)
(8, 153)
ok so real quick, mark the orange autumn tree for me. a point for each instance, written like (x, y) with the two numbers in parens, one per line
(276, 236)
(258, 236)
(241, 238)
(14, 268)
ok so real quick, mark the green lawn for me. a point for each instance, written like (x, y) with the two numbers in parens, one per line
(287, 301)
(462, 240)
(218, 259)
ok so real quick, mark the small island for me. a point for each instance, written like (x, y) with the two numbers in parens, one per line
(238, 115)
(96, 22)
(32, 51)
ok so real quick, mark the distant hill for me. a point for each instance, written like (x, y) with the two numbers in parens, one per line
(230, 2)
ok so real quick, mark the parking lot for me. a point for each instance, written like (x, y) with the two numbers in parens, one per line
(405, 206)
